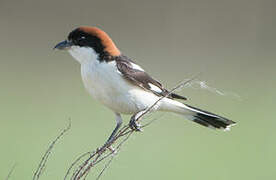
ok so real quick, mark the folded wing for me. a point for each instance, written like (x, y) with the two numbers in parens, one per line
(137, 76)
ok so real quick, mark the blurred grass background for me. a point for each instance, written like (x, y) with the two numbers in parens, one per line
(232, 43)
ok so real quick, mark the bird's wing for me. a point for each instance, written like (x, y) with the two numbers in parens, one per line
(137, 76)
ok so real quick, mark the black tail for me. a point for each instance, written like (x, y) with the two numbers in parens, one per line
(209, 119)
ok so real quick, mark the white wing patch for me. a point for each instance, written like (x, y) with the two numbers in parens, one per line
(155, 88)
(137, 67)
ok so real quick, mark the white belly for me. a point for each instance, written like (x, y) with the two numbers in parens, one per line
(105, 83)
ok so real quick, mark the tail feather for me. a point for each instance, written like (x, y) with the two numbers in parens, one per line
(208, 119)
(199, 116)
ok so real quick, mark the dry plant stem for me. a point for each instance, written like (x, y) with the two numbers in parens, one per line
(113, 155)
(75, 162)
(45, 157)
(105, 167)
(10, 172)
(109, 162)
(84, 168)
(98, 156)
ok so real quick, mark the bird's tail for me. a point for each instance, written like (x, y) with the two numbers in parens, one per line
(199, 116)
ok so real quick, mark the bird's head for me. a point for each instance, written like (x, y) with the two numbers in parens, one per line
(87, 43)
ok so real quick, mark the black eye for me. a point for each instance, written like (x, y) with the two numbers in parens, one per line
(82, 38)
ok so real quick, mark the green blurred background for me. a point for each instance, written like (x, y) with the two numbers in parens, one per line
(232, 44)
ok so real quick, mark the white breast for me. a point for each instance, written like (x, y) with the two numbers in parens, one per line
(105, 83)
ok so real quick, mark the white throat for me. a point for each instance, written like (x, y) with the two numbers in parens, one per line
(84, 55)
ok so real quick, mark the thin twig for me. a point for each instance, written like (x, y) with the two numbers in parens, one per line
(46, 155)
(105, 167)
(74, 163)
(10, 172)
(170, 92)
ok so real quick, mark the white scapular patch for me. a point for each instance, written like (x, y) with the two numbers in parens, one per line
(137, 67)
(155, 88)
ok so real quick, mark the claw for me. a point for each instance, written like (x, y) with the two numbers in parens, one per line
(134, 125)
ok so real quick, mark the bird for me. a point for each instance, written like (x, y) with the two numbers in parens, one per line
(123, 86)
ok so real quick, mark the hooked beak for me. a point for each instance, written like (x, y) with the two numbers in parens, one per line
(64, 45)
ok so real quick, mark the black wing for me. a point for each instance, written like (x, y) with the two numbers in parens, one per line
(137, 76)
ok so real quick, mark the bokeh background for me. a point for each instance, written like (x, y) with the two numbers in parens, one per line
(231, 43)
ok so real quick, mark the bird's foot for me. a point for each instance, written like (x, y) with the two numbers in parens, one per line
(134, 125)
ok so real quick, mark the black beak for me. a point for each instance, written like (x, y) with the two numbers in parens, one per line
(64, 45)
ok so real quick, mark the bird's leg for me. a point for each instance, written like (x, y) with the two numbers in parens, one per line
(133, 124)
(118, 125)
